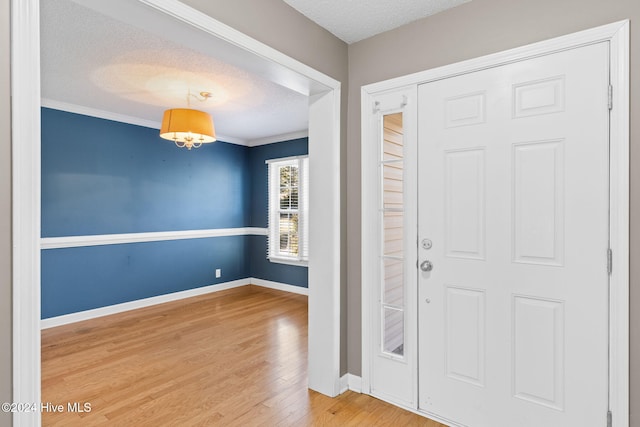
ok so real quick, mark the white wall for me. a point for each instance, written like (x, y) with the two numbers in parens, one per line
(5, 216)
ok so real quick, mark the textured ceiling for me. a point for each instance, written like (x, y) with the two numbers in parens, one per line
(91, 60)
(355, 20)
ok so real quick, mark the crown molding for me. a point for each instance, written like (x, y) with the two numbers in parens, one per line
(101, 114)
(123, 118)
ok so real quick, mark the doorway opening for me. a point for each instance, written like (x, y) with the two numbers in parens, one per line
(324, 140)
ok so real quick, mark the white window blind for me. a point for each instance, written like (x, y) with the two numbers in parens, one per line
(288, 214)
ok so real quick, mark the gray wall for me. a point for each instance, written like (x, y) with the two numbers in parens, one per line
(471, 30)
(5, 214)
(276, 24)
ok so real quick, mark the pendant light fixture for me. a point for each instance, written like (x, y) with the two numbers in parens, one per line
(188, 127)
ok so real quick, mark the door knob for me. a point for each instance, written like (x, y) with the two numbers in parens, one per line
(426, 265)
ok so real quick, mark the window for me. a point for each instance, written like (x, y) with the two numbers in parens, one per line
(288, 210)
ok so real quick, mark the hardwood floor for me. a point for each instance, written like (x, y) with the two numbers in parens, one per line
(231, 358)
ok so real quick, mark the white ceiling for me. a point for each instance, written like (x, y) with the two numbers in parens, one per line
(355, 20)
(91, 61)
(127, 61)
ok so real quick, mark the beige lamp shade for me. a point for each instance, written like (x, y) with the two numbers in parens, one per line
(187, 128)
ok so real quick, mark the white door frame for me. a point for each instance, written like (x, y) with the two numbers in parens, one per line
(324, 148)
(617, 34)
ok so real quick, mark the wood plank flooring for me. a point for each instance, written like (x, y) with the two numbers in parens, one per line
(231, 358)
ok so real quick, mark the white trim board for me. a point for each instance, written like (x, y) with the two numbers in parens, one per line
(350, 382)
(279, 286)
(324, 244)
(25, 162)
(286, 159)
(117, 239)
(100, 114)
(595, 35)
(619, 328)
(617, 34)
(66, 319)
(222, 31)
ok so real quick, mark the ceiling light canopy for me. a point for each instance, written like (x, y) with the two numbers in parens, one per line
(187, 127)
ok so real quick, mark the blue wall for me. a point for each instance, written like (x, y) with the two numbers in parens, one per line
(77, 279)
(106, 177)
(259, 173)
(260, 266)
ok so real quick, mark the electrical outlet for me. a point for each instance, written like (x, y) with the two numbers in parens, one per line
(218, 273)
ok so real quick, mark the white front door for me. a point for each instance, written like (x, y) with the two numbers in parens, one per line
(513, 199)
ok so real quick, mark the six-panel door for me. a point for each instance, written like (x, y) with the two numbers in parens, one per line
(513, 193)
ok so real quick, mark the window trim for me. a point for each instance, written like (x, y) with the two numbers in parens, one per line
(272, 232)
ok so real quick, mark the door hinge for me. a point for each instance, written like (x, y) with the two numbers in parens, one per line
(609, 419)
(609, 261)
(610, 98)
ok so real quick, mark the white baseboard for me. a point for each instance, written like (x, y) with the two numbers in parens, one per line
(160, 299)
(355, 383)
(344, 383)
(141, 303)
(279, 286)
(350, 382)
